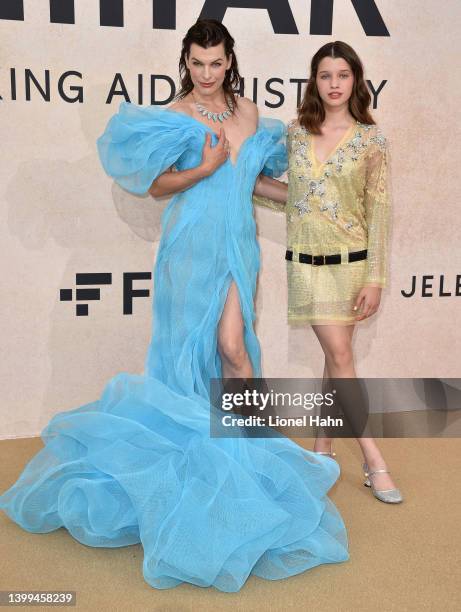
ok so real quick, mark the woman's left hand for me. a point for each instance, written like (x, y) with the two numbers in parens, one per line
(367, 302)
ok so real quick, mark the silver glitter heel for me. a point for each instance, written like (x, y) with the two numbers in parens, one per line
(389, 496)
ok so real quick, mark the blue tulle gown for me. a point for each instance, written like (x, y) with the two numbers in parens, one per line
(139, 465)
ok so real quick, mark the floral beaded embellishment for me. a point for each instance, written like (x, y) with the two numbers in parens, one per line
(379, 139)
(303, 205)
(299, 148)
(301, 155)
(351, 150)
(315, 188)
(332, 207)
(366, 126)
(356, 145)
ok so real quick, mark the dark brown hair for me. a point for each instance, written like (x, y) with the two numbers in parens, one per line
(209, 33)
(311, 113)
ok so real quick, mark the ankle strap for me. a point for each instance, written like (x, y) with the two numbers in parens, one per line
(376, 472)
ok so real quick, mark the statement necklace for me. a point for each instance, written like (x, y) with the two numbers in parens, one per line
(215, 116)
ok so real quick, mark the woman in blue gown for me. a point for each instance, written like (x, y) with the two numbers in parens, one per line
(139, 465)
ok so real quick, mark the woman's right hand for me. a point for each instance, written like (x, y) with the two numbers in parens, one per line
(175, 182)
(213, 157)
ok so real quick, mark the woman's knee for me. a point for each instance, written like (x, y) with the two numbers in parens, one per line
(232, 349)
(340, 356)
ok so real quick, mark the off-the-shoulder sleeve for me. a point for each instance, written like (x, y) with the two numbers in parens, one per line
(139, 143)
(276, 160)
(377, 209)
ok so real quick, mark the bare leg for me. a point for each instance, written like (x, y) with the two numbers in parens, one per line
(336, 342)
(323, 444)
(231, 343)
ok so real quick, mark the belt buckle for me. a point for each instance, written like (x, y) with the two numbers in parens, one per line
(316, 258)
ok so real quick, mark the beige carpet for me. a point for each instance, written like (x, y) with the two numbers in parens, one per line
(404, 557)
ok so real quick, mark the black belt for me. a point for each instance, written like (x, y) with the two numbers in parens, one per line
(320, 260)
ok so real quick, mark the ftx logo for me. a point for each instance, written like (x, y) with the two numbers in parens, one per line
(88, 289)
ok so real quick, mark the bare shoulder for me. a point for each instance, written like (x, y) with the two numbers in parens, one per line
(247, 107)
(183, 106)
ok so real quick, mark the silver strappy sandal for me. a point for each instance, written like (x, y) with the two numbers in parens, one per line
(389, 496)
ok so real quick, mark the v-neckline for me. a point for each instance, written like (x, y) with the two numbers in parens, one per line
(319, 164)
(209, 129)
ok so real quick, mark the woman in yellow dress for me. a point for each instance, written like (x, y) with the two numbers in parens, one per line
(337, 223)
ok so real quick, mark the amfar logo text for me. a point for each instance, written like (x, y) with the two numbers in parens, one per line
(164, 13)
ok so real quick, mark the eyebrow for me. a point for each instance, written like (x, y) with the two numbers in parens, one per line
(342, 70)
(215, 60)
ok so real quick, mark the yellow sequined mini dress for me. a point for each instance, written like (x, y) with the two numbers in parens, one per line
(337, 207)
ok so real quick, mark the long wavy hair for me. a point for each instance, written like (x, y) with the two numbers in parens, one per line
(311, 113)
(209, 33)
